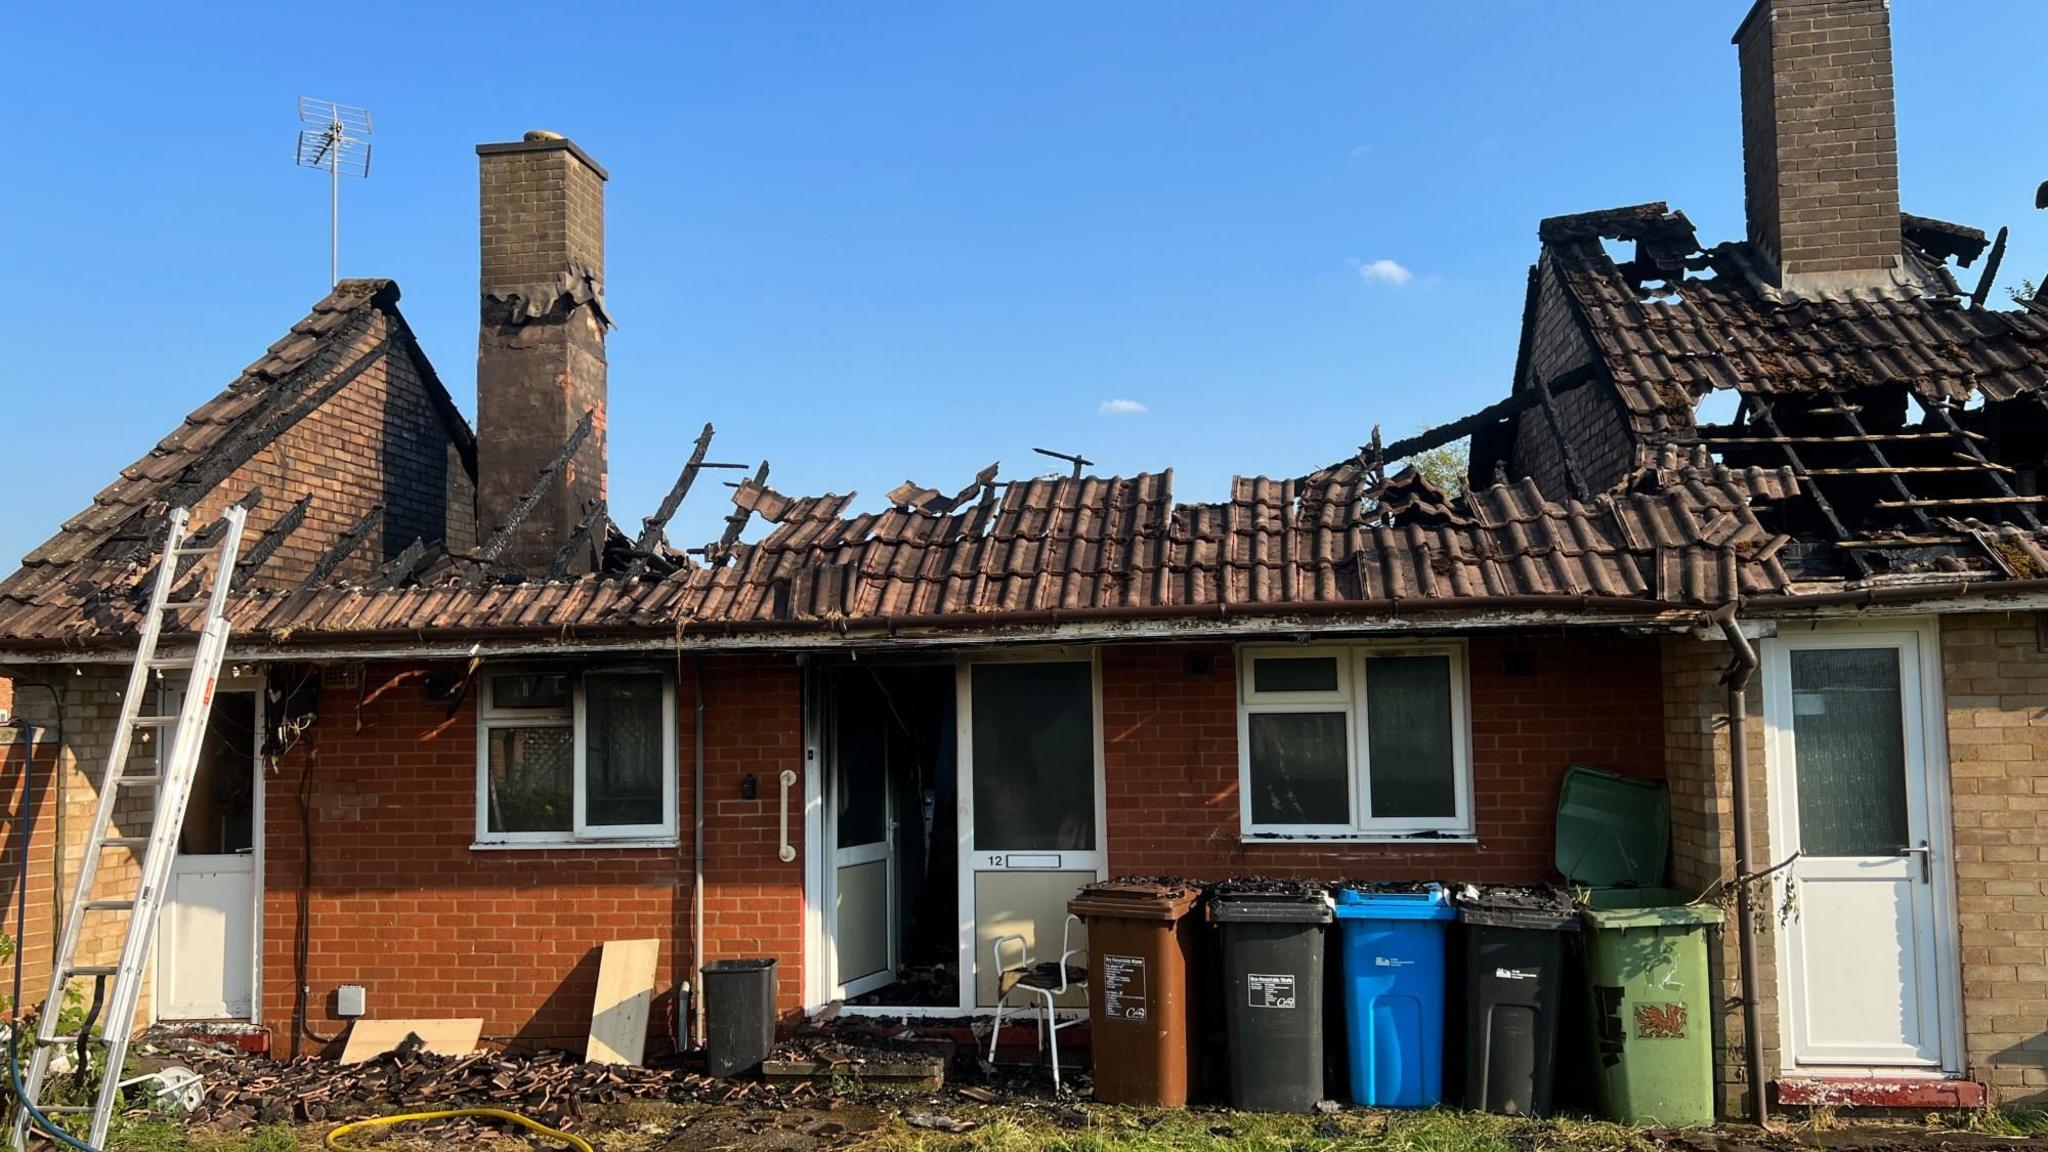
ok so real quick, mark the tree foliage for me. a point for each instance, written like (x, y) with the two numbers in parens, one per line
(1445, 467)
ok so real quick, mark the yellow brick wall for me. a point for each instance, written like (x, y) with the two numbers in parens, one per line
(1997, 682)
(1703, 838)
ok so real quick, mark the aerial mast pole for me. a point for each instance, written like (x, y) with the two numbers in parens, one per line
(333, 137)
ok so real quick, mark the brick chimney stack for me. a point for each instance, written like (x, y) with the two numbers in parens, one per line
(540, 362)
(1820, 152)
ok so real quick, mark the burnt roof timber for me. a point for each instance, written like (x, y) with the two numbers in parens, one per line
(593, 511)
(1762, 411)
(347, 543)
(1564, 441)
(282, 409)
(1974, 450)
(651, 527)
(410, 562)
(736, 521)
(1515, 404)
(293, 518)
(1877, 453)
(1983, 289)
(488, 554)
(1718, 434)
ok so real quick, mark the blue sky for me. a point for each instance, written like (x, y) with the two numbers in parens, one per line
(875, 242)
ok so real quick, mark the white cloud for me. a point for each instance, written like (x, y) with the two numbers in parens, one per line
(1385, 272)
(1122, 408)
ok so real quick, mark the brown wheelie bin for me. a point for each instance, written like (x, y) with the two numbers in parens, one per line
(1141, 947)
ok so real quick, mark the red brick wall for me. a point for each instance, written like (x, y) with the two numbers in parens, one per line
(432, 927)
(1171, 760)
(379, 440)
(37, 942)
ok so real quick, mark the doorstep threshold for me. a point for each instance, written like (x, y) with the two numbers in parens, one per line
(1889, 1090)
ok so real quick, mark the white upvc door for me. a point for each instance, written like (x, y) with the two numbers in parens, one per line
(1857, 755)
(860, 816)
(207, 940)
(1031, 805)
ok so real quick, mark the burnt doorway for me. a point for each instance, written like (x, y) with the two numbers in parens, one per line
(210, 933)
(891, 882)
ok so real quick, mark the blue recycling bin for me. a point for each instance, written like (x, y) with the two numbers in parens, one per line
(1393, 941)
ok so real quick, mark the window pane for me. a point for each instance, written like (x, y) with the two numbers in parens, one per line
(864, 726)
(623, 751)
(1849, 751)
(1034, 756)
(535, 690)
(529, 777)
(1295, 674)
(1300, 768)
(1408, 728)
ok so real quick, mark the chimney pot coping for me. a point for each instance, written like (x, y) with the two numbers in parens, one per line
(556, 144)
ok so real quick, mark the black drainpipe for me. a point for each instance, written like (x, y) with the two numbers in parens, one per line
(1736, 679)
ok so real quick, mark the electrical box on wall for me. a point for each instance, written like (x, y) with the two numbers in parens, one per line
(349, 1000)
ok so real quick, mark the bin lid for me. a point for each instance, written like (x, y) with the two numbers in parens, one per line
(1674, 915)
(1255, 901)
(1612, 830)
(1394, 902)
(1536, 907)
(725, 967)
(1136, 898)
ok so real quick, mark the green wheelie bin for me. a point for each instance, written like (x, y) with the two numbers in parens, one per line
(1649, 1007)
(1652, 1007)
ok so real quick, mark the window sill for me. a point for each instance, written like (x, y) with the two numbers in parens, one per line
(1412, 840)
(573, 845)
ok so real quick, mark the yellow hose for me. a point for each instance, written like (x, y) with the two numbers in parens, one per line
(576, 1142)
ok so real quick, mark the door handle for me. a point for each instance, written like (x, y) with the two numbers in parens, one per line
(788, 851)
(1926, 855)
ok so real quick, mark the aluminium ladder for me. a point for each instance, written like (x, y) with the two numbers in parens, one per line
(212, 571)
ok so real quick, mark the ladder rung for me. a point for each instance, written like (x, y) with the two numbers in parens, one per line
(199, 603)
(92, 969)
(210, 549)
(149, 781)
(124, 841)
(154, 721)
(170, 661)
(109, 905)
(66, 1039)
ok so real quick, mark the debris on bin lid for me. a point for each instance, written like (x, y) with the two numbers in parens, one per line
(1528, 897)
(1391, 887)
(1284, 888)
(1150, 886)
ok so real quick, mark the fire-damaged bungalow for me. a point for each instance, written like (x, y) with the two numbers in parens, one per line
(474, 727)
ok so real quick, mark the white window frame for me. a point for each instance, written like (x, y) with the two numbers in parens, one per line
(1349, 699)
(580, 832)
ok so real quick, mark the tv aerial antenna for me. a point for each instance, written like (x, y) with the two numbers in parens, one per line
(334, 137)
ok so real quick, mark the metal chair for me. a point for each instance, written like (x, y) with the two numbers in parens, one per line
(1047, 980)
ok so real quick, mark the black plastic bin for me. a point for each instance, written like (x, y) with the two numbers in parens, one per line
(1273, 981)
(1514, 979)
(739, 1015)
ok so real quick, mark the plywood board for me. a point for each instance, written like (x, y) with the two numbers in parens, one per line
(369, 1039)
(625, 994)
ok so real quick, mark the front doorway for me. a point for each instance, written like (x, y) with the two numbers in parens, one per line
(959, 802)
(207, 939)
(1859, 802)
(891, 824)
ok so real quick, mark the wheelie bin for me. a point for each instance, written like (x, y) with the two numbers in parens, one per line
(1649, 1008)
(1513, 942)
(1273, 977)
(1393, 942)
(739, 1015)
(1142, 949)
